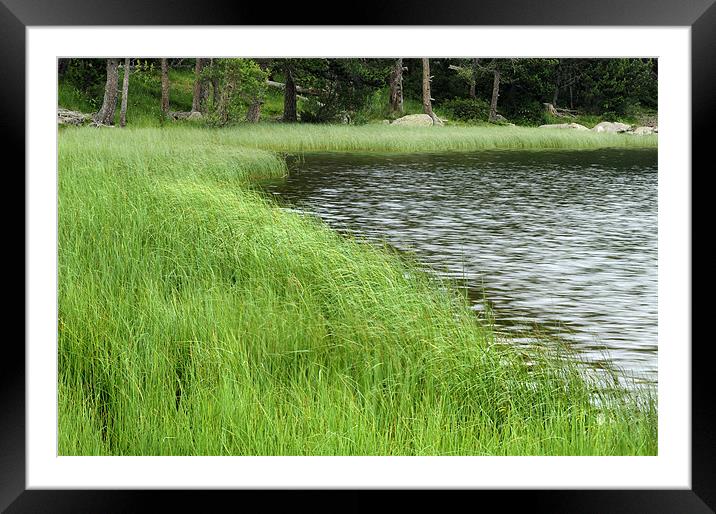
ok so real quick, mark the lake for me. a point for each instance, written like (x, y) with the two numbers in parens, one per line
(561, 245)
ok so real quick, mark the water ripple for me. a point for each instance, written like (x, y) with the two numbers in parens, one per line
(558, 241)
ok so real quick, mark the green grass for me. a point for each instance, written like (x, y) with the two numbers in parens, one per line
(198, 318)
(384, 138)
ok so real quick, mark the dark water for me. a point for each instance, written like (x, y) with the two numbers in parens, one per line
(560, 244)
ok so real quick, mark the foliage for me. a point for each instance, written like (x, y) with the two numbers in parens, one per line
(240, 82)
(86, 77)
(618, 85)
(341, 87)
(355, 89)
(525, 111)
(467, 109)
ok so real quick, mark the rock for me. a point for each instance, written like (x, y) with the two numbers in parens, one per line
(386, 122)
(642, 131)
(194, 115)
(67, 117)
(415, 120)
(575, 126)
(609, 126)
(181, 115)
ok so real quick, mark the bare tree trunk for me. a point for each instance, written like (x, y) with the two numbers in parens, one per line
(165, 87)
(558, 83)
(473, 82)
(215, 91)
(214, 88)
(224, 97)
(427, 105)
(204, 97)
(254, 113)
(125, 91)
(105, 116)
(396, 87)
(289, 97)
(495, 94)
(196, 103)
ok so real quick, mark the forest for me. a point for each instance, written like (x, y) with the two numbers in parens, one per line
(223, 91)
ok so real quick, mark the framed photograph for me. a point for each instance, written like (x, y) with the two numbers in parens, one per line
(547, 196)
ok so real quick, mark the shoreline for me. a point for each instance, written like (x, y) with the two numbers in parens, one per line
(187, 301)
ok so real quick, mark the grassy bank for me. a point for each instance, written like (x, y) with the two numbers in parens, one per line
(383, 138)
(287, 138)
(197, 318)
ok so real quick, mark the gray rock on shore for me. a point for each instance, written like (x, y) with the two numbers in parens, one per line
(611, 126)
(574, 126)
(415, 120)
(67, 117)
(643, 131)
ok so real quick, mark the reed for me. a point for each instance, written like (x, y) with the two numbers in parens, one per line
(197, 318)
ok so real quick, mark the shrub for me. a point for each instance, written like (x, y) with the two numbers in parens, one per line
(609, 116)
(526, 111)
(467, 109)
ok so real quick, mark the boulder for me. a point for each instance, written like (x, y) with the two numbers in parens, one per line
(184, 115)
(415, 120)
(610, 126)
(575, 126)
(67, 117)
(643, 131)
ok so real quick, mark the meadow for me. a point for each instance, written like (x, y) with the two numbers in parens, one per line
(196, 317)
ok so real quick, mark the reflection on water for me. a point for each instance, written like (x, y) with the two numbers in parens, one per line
(561, 243)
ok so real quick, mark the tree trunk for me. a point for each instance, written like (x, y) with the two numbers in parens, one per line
(473, 83)
(215, 91)
(196, 102)
(396, 87)
(125, 91)
(165, 87)
(224, 97)
(105, 116)
(214, 88)
(254, 113)
(558, 83)
(289, 98)
(204, 99)
(495, 94)
(427, 105)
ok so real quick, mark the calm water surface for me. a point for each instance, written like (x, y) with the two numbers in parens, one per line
(558, 243)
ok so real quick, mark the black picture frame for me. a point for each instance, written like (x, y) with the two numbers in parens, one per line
(700, 15)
